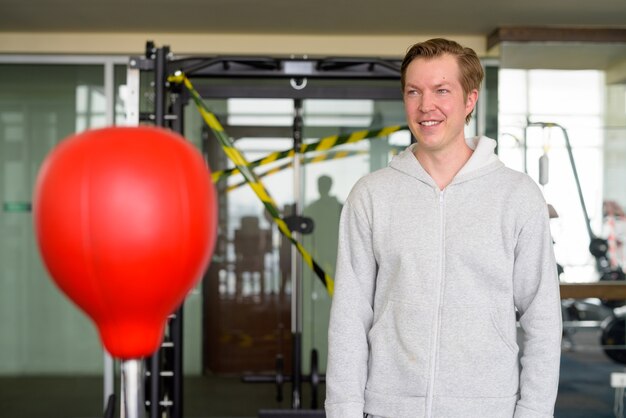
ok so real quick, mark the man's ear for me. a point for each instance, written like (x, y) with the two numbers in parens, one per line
(470, 102)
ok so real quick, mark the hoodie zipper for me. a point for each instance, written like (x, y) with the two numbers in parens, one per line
(437, 321)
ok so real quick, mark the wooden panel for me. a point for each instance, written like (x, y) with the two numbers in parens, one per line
(246, 325)
(552, 34)
(603, 290)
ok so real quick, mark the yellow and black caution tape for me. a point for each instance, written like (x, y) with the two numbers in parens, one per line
(323, 144)
(317, 159)
(238, 159)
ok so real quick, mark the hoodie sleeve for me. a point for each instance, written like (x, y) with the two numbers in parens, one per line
(351, 316)
(537, 299)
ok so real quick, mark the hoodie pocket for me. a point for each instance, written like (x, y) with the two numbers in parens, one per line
(477, 357)
(399, 343)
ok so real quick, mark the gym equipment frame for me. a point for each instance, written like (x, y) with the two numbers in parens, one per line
(169, 103)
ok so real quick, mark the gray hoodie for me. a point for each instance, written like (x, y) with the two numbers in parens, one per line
(423, 319)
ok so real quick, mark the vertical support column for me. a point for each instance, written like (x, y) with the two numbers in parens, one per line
(109, 96)
(132, 389)
(296, 276)
(160, 102)
(176, 325)
(160, 80)
(176, 332)
(132, 94)
(109, 92)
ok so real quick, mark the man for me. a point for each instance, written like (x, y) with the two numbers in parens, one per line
(435, 253)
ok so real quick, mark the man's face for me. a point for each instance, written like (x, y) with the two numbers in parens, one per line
(435, 104)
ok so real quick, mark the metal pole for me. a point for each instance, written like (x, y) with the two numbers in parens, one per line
(109, 94)
(176, 325)
(109, 376)
(132, 405)
(132, 94)
(578, 187)
(570, 154)
(160, 78)
(296, 285)
(159, 119)
(176, 330)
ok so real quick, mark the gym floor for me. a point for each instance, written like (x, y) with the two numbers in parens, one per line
(584, 391)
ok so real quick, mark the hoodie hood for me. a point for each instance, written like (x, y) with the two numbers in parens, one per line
(482, 161)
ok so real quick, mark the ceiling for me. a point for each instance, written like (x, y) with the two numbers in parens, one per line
(450, 17)
(342, 17)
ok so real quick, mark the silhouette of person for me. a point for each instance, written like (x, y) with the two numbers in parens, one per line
(322, 243)
(325, 212)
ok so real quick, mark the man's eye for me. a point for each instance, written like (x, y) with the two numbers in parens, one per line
(411, 92)
(442, 91)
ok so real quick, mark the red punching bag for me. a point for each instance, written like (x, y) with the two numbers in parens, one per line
(126, 220)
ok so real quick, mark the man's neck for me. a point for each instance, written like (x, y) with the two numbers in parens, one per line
(443, 165)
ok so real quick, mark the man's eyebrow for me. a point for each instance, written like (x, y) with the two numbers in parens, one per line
(436, 86)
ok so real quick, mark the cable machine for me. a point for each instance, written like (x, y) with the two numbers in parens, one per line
(598, 247)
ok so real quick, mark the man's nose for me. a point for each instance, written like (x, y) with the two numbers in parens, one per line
(426, 103)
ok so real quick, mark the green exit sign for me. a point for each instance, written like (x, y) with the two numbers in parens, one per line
(17, 206)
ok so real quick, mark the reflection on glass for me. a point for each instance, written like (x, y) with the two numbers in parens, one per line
(344, 113)
(39, 106)
(260, 112)
(251, 298)
(90, 107)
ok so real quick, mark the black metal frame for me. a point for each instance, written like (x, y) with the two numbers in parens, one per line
(274, 67)
(299, 71)
(247, 67)
(162, 104)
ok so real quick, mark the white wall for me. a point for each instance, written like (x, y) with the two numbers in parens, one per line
(232, 44)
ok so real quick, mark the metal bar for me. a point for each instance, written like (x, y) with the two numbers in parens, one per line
(159, 111)
(581, 324)
(155, 387)
(580, 191)
(199, 64)
(132, 96)
(62, 59)
(570, 154)
(311, 91)
(176, 325)
(336, 75)
(176, 331)
(267, 67)
(296, 282)
(160, 80)
(109, 376)
(109, 94)
(132, 405)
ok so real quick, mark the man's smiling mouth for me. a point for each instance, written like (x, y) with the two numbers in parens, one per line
(430, 122)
